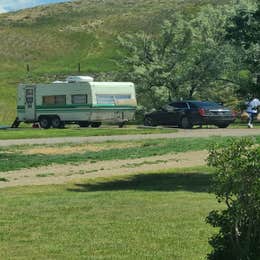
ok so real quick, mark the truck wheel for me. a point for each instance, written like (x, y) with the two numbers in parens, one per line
(148, 121)
(186, 123)
(56, 122)
(44, 122)
(224, 125)
(96, 124)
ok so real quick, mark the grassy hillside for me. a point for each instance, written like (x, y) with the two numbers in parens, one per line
(53, 39)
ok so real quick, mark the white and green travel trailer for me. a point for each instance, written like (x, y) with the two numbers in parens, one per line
(78, 100)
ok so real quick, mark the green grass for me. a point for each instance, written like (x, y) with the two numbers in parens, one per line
(243, 125)
(54, 39)
(11, 159)
(145, 216)
(25, 133)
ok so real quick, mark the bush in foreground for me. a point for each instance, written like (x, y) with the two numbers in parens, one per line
(237, 184)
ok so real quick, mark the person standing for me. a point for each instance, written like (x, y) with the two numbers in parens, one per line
(252, 110)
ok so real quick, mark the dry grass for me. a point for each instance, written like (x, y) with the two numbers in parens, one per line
(69, 149)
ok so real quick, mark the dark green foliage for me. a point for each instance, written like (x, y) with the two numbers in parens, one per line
(237, 184)
(243, 32)
(245, 27)
(187, 59)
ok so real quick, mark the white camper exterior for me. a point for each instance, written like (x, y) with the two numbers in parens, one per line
(76, 101)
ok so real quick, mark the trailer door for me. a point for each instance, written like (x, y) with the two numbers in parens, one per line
(30, 103)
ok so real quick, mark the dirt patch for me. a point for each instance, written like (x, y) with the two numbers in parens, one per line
(59, 174)
(69, 149)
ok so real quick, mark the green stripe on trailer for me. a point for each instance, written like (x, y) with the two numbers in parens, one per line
(82, 110)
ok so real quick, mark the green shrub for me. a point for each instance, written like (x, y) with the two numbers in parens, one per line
(237, 184)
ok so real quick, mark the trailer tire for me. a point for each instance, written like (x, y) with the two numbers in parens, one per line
(45, 122)
(83, 124)
(96, 124)
(121, 124)
(56, 122)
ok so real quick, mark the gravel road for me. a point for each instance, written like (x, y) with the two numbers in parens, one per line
(94, 139)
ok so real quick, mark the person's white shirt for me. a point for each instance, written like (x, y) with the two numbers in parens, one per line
(252, 105)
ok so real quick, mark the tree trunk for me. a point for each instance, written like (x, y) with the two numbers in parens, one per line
(191, 92)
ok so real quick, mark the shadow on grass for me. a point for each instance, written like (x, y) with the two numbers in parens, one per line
(192, 181)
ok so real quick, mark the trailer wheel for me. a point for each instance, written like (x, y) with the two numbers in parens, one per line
(121, 124)
(56, 122)
(96, 124)
(83, 124)
(44, 122)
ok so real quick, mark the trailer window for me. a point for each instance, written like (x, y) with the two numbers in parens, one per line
(79, 99)
(105, 99)
(111, 99)
(54, 100)
(122, 97)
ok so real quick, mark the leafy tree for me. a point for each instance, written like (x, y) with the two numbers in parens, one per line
(152, 60)
(237, 184)
(185, 59)
(243, 32)
(244, 28)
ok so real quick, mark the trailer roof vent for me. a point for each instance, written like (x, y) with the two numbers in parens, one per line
(75, 79)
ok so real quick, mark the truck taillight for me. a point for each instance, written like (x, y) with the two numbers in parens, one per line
(202, 112)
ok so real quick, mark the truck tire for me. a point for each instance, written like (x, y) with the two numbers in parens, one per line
(186, 123)
(45, 122)
(223, 125)
(148, 121)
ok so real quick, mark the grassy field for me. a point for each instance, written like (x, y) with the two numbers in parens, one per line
(25, 133)
(151, 215)
(145, 216)
(54, 39)
(14, 158)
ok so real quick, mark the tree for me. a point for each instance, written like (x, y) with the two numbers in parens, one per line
(243, 32)
(237, 185)
(185, 58)
(152, 60)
